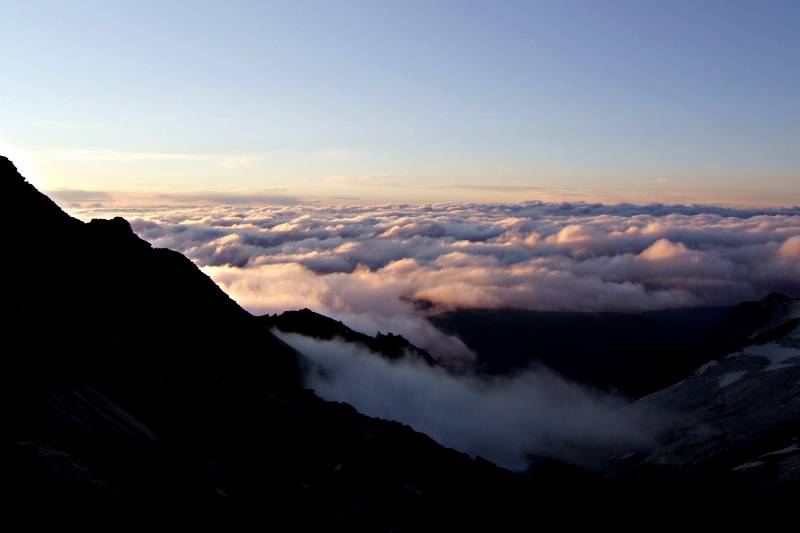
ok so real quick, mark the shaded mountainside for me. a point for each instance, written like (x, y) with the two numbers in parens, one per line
(311, 324)
(740, 422)
(634, 353)
(131, 381)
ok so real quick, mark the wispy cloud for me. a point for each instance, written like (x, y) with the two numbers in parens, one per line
(334, 153)
(373, 180)
(70, 196)
(59, 124)
(128, 156)
(73, 198)
(501, 419)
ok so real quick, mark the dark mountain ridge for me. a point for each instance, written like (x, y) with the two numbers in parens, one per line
(311, 324)
(132, 383)
(633, 353)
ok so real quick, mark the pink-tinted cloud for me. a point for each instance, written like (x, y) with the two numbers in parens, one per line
(384, 268)
(790, 249)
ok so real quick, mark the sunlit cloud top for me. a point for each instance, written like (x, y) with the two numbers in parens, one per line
(385, 268)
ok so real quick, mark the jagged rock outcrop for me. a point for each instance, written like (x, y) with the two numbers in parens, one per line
(311, 324)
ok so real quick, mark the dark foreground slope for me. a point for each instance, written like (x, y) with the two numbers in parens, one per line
(131, 382)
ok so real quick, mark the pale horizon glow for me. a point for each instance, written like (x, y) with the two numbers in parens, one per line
(416, 102)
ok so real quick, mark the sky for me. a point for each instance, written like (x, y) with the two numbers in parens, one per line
(368, 102)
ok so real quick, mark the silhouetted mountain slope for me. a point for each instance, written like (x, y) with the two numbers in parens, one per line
(635, 353)
(311, 324)
(130, 381)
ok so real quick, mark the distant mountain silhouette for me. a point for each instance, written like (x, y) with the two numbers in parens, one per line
(311, 324)
(633, 353)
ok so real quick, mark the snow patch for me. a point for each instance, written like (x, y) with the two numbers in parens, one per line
(747, 466)
(702, 370)
(770, 368)
(776, 354)
(730, 378)
(783, 451)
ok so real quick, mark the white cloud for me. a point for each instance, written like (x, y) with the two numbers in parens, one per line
(383, 268)
(502, 419)
(791, 249)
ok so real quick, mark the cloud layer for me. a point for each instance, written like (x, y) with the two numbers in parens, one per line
(503, 419)
(383, 268)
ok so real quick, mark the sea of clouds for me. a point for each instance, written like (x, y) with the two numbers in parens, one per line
(385, 268)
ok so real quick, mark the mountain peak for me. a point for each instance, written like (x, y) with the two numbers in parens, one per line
(311, 324)
(7, 168)
(116, 227)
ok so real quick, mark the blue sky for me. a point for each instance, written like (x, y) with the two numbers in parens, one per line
(413, 101)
